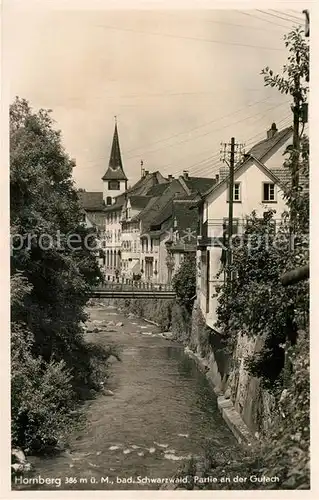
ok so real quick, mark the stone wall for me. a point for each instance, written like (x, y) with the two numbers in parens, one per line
(227, 373)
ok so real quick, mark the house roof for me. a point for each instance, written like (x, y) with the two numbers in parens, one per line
(199, 184)
(143, 185)
(119, 202)
(91, 200)
(185, 217)
(139, 202)
(152, 211)
(262, 148)
(158, 189)
(180, 211)
(258, 153)
(115, 170)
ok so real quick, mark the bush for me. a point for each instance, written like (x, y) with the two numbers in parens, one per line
(184, 283)
(42, 397)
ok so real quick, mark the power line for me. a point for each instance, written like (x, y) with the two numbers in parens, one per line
(220, 128)
(262, 19)
(184, 132)
(274, 15)
(174, 94)
(189, 38)
(198, 127)
(200, 167)
(206, 133)
(294, 18)
(246, 26)
(251, 140)
(201, 126)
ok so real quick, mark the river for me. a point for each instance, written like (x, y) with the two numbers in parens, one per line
(160, 412)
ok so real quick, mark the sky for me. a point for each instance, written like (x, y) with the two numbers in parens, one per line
(180, 82)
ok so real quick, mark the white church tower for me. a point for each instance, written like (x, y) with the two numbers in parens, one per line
(114, 179)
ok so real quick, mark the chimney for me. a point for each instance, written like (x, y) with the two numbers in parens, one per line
(146, 172)
(272, 131)
(185, 174)
(170, 177)
(217, 178)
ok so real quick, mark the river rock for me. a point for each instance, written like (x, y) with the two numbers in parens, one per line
(161, 445)
(19, 461)
(111, 323)
(18, 455)
(119, 323)
(108, 392)
(167, 335)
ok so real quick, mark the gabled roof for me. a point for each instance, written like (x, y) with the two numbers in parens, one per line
(257, 153)
(115, 170)
(143, 185)
(91, 200)
(179, 209)
(117, 205)
(262, 148)
(151, 212)
(139, 201)
(158, 189)
(199, 184)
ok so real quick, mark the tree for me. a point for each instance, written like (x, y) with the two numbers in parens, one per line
(184, 283)
(295, 81)
(258, 305)
(52, 255)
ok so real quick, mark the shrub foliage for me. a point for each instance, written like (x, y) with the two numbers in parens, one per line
(50, 279)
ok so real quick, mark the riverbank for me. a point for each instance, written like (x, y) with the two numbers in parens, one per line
(155, 410)
(260, 421)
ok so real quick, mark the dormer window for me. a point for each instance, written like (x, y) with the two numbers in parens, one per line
(268, 192)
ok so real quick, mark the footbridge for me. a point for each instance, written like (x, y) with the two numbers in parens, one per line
(132, 290)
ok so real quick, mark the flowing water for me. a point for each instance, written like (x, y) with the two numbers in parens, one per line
(160, 412)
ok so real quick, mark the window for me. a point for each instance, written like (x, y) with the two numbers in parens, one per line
(237, 193)
(268, 191)
(109, 200)
(114, 185)
(235, 226)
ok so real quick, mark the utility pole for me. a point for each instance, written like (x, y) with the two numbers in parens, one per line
(234, 149)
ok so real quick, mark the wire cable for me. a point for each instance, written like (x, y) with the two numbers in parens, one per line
(238, 44)
(274, 15)
(250, 141)
(294, 18)
(262, 19)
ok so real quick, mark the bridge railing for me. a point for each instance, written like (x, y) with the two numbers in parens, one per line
(127, 285)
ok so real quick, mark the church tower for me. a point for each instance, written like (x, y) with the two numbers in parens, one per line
(114, 179)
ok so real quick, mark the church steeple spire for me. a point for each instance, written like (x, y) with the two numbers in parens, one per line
(115, 170)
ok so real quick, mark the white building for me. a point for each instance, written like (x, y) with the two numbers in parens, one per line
(258, 185)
